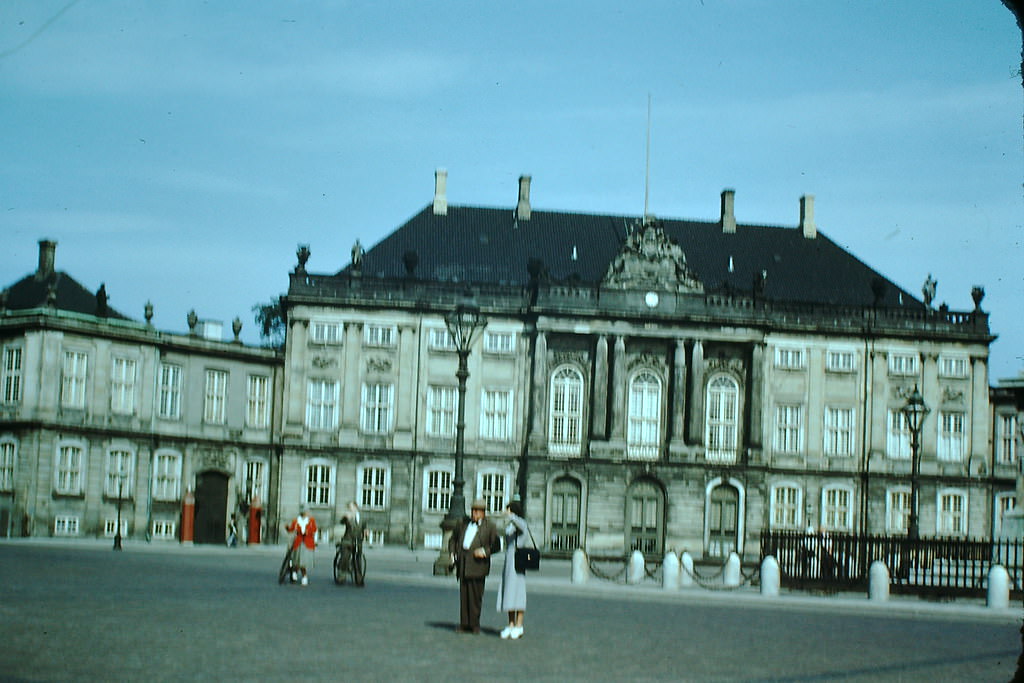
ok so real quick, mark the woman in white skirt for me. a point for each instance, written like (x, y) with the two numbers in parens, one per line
(512, 594)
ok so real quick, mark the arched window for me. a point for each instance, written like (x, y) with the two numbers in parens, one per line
(643, 435)
(565, 514)
(722, 419)
(645, 510)
(723, 520)
(565, 434)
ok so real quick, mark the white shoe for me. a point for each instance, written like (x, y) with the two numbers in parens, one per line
(517, 632)
(506, 632)
(295, 577)
(305, 580)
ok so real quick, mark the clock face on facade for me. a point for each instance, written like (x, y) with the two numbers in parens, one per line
(651, 299)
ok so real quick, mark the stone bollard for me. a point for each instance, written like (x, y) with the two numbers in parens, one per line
(770, 577)
(686, 570)
(998, 587)
(731, 576)
(878, 581)
(670, 572)
(580, 566)
(635, 571)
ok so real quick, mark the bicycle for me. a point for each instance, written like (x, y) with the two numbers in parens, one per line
(349, 564)
(288, 568)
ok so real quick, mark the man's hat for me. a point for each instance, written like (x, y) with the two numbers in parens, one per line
(479, 504)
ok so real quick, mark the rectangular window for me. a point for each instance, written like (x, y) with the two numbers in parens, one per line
(439, 339)
(167, 476)
(441, 406)
(952, 514)
(840, 361)
(322, 405)
(836, 512)
(951, 436)
(164, 530)
(170, 391)
(496, 415)
(122, 386)
(903, 364)
(838, 431)
(789, 358)
(1006, 439)
(73, 376)
(898, 517)
(256, 399)
(65, 525)
(325, 333)
(318, 484)
(8, 457)
(493, 486)
(439, 490)
(68, 473)
(120, 471)
(380, 335)
(786, 507)
(215, 403)
(953, 366)
(378, 404)
(110, 527)
(788, 428)
(897, 443)
(10, 375)
(254, 479)
(499, 342)
(373, 488)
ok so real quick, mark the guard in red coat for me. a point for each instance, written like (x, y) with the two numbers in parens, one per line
(304, 543)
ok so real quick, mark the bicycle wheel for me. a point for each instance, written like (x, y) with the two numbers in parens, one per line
(339, 570)
(359, 569)
(286, 567)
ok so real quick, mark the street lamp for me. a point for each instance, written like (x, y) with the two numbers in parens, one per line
(120, 495)
(914, 412)
(463, 325)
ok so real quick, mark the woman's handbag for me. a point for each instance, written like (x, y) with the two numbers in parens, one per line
(527, 559)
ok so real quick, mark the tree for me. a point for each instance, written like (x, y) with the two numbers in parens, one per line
(270, 322)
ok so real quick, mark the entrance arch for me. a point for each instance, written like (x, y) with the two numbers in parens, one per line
(211, 507)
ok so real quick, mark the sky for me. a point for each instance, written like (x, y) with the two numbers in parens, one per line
(179, 152)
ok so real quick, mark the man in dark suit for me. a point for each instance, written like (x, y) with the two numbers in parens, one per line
(473, 542)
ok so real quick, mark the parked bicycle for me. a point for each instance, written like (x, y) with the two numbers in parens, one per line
(288, 569)
(349, 563)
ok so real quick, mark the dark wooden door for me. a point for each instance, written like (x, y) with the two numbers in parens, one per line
(211, 507)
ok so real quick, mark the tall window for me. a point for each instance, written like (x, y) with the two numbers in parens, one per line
(903, 364)
(496, 414)
(840, 361)
(565, 433)
(378, 408)
(437, 494)
(69, 469)
(167, 476)
(10, 375)
(897, 443)
(325, 333)
(257, 395)
(644, 517)
(493, 487)
(73, 376)
(897, 517)
(951, 436)
(216, 397)
(499, 342)
(643, 432)
(787, 509)
(120, 471)
(439, 339)
(318, 484)
(1006, 439)
(170, 391)
(8, 460)
(322, 405)
(837, 510)
(721, 424)
(373, 486)
(122, 386)
(254, 475)
(441, 405)
(379, 335)
(952, 519)
(838, 431)
(788, 428)
(1004, 502)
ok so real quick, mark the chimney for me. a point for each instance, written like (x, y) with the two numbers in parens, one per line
(728, 216)
(440, 192)
(47, 256)
(807, 225)
(523, 208)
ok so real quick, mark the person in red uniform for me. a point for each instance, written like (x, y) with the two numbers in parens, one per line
(304, 543)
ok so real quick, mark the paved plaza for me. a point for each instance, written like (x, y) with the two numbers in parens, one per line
(77, 610)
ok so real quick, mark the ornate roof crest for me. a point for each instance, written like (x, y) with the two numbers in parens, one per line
(650, 260)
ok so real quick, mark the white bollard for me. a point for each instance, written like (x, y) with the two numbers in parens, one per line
(731, 576)
(635, 572)
(770, 577)
(580, 566)
(686, 570)
(878, 581)
(670, 572)
(998, 587)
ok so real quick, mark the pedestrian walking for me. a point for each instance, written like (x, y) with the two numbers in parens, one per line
(304, 543)
(512, 594)
(473, 542)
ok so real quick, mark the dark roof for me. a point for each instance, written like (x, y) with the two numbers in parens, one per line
(488, 245)
(33, 291)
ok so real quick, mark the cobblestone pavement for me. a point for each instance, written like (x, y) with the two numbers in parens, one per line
(78, 610)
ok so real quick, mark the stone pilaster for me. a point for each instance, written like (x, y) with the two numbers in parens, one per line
(540, 386)
(697, 393)
(601, 388)
(755, 434)
(679, 396)
(619, 391)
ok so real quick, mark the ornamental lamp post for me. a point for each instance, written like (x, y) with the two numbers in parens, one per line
(120, 491)
(914, 412)
(464, 323)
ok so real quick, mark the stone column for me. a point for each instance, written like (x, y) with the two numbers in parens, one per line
(679, 396)
(619, 391)
(697, 393)
(755, 434)
(295, 415)
(540, 385)
(405, 400)
(601, 389)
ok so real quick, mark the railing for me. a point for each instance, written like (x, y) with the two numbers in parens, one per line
(927, 566)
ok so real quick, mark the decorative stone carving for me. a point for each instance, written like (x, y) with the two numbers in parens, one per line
(214, 460)
(724, 363)
(648, 360)
(379, 365)
(902, 392)
(950, 395)
(574, 357)
(302, 254)
(322, 362)
(650, 260)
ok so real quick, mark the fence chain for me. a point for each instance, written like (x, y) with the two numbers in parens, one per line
(711, 582)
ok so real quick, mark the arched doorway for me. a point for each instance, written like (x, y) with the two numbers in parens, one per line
(723, 518)
(211, 507)
(645, 513)
(565, 514)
